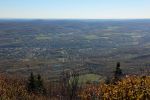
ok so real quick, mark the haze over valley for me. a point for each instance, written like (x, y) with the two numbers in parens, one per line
(51, 46)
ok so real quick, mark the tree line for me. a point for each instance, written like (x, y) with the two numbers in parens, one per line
(68, 84)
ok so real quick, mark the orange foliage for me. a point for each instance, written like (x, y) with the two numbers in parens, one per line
(129, 88)
(15, 89)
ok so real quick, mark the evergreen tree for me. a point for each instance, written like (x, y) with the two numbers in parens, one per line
(35, 84)
(31, 83)
(118, 72)
(40, 85)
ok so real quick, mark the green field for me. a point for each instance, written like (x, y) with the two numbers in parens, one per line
(89, 78)
(42, 37)
(91, 37)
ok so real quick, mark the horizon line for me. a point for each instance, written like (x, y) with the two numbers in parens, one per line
(74, 18)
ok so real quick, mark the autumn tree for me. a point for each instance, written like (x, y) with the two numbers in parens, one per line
(69, 82)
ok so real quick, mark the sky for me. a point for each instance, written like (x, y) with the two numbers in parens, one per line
(75, 9)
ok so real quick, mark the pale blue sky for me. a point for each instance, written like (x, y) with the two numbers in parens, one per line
(88, 9)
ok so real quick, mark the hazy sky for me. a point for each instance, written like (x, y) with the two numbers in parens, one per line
(89, 9)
